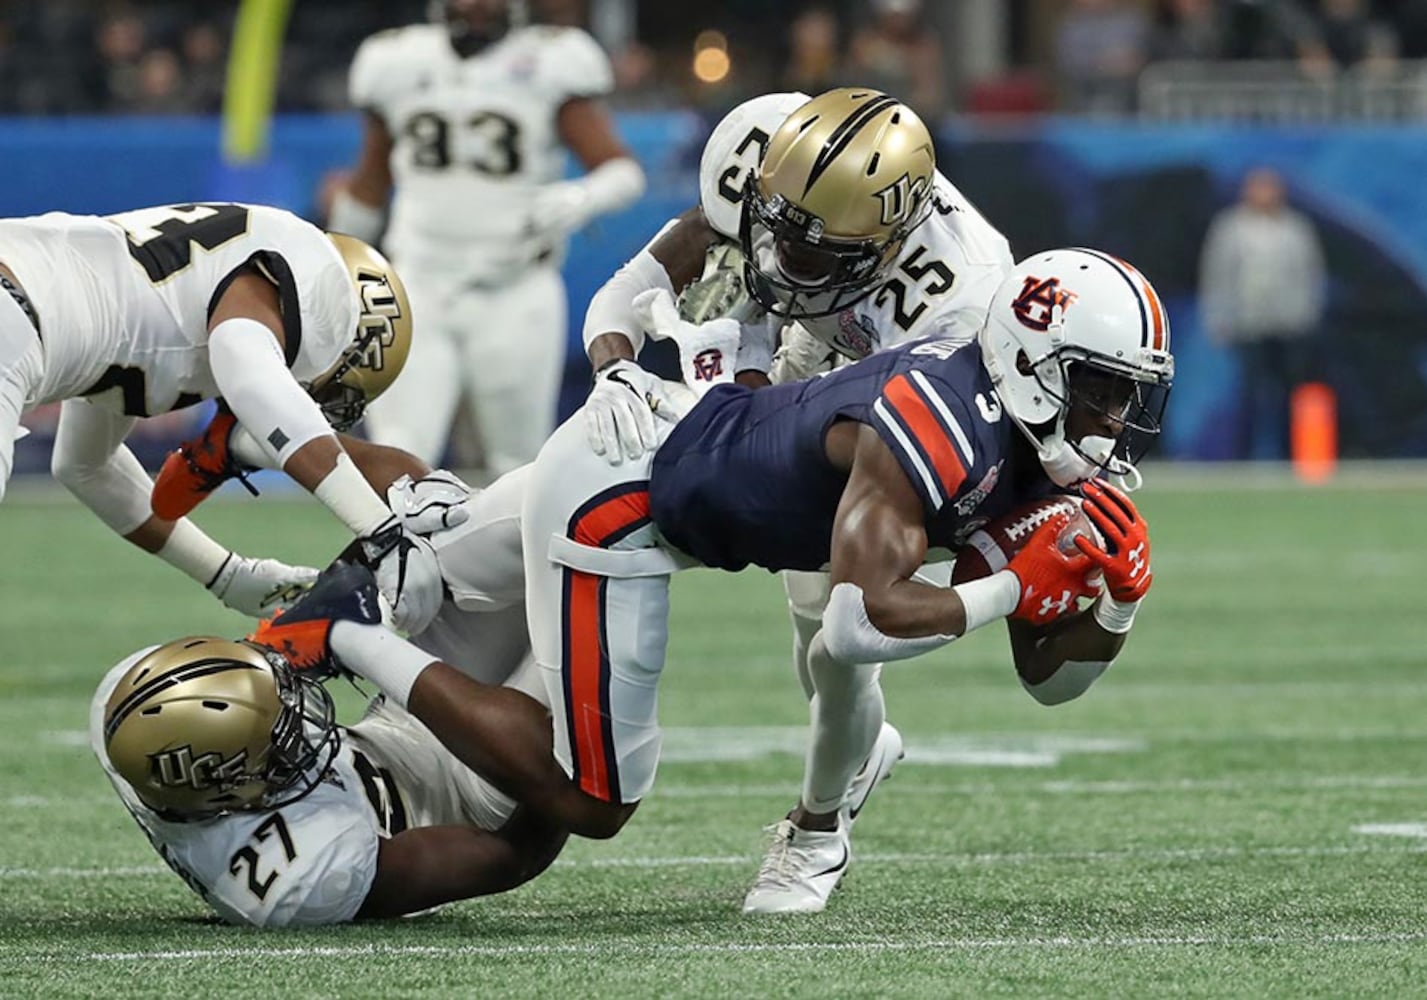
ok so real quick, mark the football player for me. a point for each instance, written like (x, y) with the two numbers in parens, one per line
(228, 756)
(129, 315)
(864, 470)
(823, 215)
(468, 120)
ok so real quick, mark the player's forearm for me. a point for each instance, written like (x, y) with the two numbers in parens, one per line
(505, 735)
(1060, 662)
(609, 347)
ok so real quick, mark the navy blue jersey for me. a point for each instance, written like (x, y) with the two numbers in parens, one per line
(745, 479)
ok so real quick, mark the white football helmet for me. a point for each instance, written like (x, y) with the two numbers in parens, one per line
(1079, 327)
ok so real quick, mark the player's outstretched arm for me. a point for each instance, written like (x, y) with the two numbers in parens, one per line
(877, 611)
(421, 868)
(245, 353)
(94, 464)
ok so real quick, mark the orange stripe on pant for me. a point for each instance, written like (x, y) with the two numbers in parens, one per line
(601, 523)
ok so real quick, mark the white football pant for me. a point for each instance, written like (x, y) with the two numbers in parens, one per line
(502, 347)
(597, 600)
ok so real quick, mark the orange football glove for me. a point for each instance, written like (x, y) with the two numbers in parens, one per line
(1052, 582)
(1125, 558)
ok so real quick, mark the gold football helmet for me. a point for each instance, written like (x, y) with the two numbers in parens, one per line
(846, 178)
(381, 343)
(203, 726)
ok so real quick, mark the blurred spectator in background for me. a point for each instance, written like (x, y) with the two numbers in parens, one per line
(814, 52)
(1345, 34)
(1262, 291)
(159, 85)
(899, 52)
(121, 39)
(1100, 46)
(1194, 30)
(204, 62)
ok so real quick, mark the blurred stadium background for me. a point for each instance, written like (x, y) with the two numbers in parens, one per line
(1119, 124)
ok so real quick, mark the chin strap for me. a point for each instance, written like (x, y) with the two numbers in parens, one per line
(1068, 465)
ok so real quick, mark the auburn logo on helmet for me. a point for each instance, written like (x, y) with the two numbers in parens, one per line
(1035, 306)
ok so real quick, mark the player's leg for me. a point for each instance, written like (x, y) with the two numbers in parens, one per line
(597, 602)
(416, 411)
(514, 358)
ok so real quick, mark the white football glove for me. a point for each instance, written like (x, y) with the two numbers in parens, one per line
(621, 410)
(707, 351)
(558, 209)
(435, 502)
(258, 587)
(408, 574)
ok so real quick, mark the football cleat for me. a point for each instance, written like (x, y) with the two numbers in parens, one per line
(876, 769)
(800, 870)
(197, 468)
(302, 635)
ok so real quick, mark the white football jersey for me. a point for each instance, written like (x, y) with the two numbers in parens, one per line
(474, 139)
(313, 861)
(124, 300)
(941, 282)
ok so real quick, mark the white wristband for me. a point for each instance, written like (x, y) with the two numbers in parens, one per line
(382, 657)
(190, 550)
(988, 599)
(1115, 617)
(346, 493)
(354, 217)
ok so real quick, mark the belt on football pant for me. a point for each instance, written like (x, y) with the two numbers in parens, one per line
(22, 300)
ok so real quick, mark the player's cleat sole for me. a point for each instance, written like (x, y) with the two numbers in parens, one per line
(302, 634)
(196, 468)
(886, 752)
(800, 870)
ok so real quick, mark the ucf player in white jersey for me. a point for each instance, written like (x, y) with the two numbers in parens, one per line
(125, 316)
(228, 757)
(467, 121)
(825, 231)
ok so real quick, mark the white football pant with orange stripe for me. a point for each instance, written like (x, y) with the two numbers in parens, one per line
(597, 602)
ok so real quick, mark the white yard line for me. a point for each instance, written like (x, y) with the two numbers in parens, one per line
(636, 947)
(949, 859)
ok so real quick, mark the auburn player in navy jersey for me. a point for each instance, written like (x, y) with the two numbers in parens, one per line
(866, 470)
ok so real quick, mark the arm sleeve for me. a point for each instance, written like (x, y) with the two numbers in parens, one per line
(928, 429)
(611, 310)
(254, 379)
(93, 463)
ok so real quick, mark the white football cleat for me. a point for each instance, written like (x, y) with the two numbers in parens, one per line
(800, 870)
(878, 766)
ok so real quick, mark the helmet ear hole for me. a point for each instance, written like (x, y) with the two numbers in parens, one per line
(1023, 364)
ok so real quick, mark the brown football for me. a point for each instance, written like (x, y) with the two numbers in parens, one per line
(993, 545)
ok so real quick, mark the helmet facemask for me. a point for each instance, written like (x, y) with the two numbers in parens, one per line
(305, 738)
(795, 270)
(1087, 388)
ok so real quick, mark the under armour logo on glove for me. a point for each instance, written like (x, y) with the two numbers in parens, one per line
(1125, 558)
(1052, 608)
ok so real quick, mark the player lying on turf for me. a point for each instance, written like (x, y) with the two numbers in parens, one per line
(149, 311)
(904, 256)
(227, 754)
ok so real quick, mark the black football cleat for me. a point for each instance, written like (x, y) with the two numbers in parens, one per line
(302, 634)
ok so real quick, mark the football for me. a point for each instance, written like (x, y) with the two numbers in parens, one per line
(993, 545)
